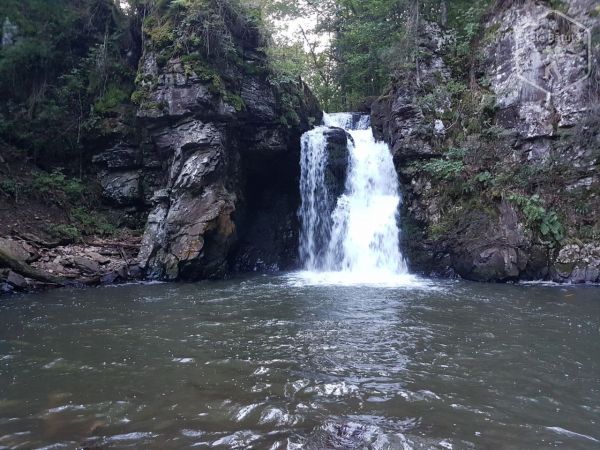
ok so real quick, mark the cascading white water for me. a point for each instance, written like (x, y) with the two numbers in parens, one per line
(315, 198)
(353, 238)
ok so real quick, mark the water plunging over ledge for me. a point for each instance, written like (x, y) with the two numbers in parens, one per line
(354, 238)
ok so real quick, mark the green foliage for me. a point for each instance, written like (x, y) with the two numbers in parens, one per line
(546, 222)
(465, 19)
(193, 64)
(140, 95)
(113, 97)
(234, 100)
(485, 178)
(9, 187)
(372, 38)
(444, 169)
(161, 35)
(57, 185)
(83, 222)
(64, 232)
(91, 223)
(367, 42)
(64, 68)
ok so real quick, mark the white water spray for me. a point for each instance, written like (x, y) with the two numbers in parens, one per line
(354, 238)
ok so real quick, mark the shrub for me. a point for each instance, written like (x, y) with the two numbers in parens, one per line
(64, 232)
(113, 97)
(538, 217)
(90, 223)
(56, 183)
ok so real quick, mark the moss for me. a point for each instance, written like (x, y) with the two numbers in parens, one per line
(194, 64)
(559, 5)
(491, 33)
(161, 35)
(162, 60)
(234, 100)
(138, 97)
(438, 230)
(149, 106)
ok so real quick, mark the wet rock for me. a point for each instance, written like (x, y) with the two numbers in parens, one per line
(110, 278)
(135, 272)
(219, 161)
(398, 117)
(490, 248)
(6, 288)
(578, 263)
(189, 228)
(265, 143)
(520, 53)
(190, 238)
(177, 94)
(337, 160)
(487, 242)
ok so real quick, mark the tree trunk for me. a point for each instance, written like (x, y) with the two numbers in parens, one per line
(26, 270)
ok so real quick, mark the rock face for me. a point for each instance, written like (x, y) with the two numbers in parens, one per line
(499, 166)
(190, 229)
(337, 160)
(398, 118)
(214, 161)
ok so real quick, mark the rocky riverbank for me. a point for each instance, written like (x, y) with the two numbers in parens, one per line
(37, 264)
(203, 159)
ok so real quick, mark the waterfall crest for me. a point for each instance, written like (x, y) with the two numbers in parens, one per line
(355, 236)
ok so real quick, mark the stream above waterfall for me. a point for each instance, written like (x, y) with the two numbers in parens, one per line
(268, 363)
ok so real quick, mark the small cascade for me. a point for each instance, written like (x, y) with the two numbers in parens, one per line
(355, 235)
(316, 226)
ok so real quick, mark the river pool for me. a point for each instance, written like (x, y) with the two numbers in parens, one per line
(275, 362)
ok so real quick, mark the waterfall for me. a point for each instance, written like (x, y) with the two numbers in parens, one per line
(356, 235)
(316, 226)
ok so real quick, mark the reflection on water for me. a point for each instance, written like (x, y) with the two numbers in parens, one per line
(270, 362)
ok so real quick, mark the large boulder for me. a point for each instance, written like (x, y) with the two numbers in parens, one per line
(490, 248)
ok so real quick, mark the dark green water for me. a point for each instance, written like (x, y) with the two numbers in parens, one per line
(268, 363)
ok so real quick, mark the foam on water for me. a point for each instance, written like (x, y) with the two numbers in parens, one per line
(348, 278)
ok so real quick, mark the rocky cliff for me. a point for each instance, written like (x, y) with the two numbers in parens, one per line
(499, 159)
(215, 158)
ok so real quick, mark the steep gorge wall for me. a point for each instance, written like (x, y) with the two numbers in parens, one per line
(501, 177)
(217, 149)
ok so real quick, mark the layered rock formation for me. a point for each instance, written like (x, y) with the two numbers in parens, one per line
(499, 165)
(216, 157)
